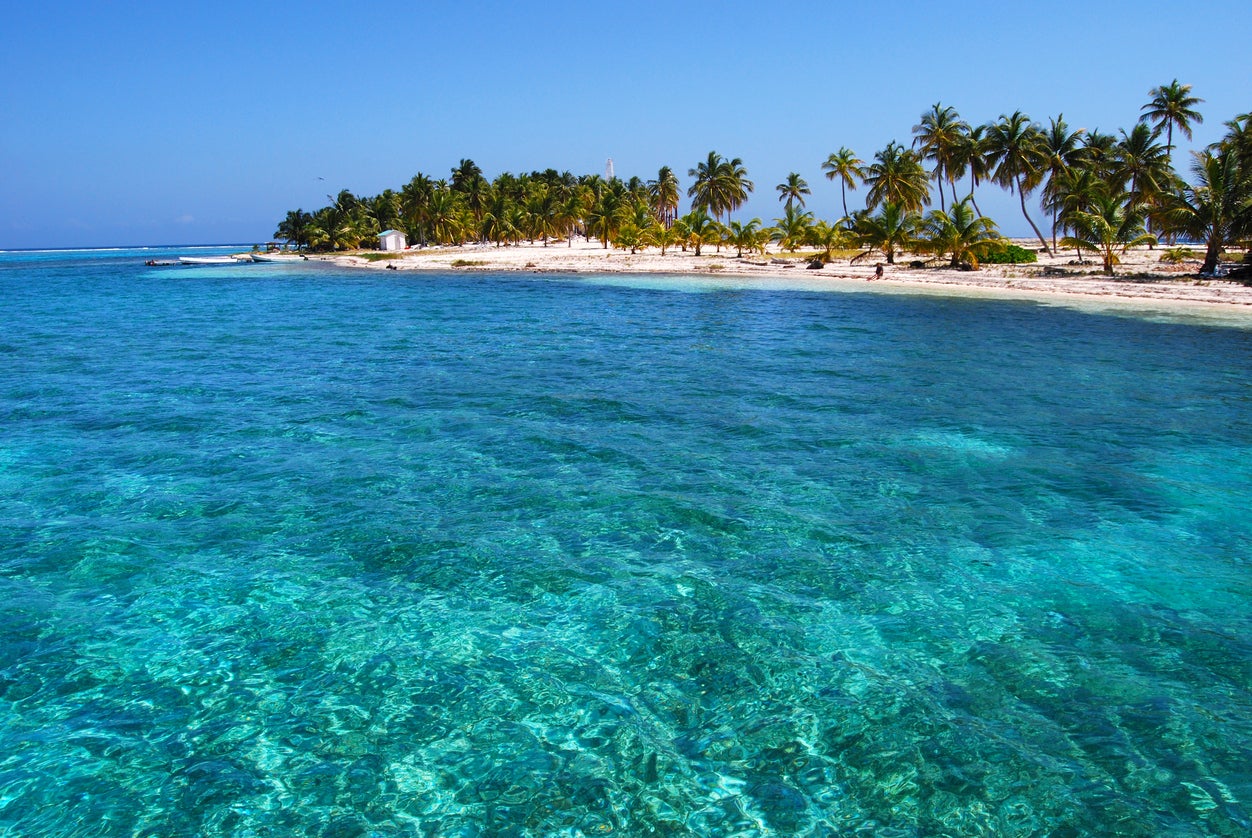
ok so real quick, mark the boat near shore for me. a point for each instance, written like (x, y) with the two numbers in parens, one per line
(215, 260)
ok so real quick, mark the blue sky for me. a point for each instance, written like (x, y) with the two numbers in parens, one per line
(140, 123)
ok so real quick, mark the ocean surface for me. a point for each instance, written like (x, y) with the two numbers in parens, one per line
(290, 550)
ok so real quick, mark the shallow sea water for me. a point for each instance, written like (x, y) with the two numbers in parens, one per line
(294, 551)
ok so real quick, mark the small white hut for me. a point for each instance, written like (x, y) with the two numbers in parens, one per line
(392, 240)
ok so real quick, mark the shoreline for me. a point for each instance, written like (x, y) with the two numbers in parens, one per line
(1062, 283)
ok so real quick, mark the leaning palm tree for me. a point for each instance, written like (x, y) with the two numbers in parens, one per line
(1218, 208)
(1172, 105)
(897, 177)
(845, 167)
(793, 190)
(1112, 226)
(894, 228)
(938, 137)
(1016, 151)
(960, 233)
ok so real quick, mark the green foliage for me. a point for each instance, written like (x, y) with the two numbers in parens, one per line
(1008, 254)
(1177, 255)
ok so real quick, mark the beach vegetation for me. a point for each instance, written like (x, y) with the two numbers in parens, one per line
(959, 233)
(792, 230)
(793, 190)
(1078, 175)
(1007, 253)
(845, 167)
(891, 230)
(1113, 225)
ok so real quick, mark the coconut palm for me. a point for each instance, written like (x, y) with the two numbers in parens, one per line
(664, 192)
(970, 155)
(1172, 105)
(700, 229)
(897, 177)
(792, 230)
(828, 237)
(1100, 153)
(1142, 166)
(894, 228)
(415, 206)
(1064, 150)
(747, 235)
(845, 167)
(1072, 191)
(608, 212)
(1112, 226)
(960, 233)
(738, 187)
(1218, 208)
(295, 228)
(1016, 151)
(938, 136)
(707, 191)
(793, 190)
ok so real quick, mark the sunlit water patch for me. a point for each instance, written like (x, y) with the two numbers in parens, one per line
(313, 552)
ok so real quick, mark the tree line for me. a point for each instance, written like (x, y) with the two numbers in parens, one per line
(1102, 193)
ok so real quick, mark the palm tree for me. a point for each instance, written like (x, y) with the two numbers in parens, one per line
(792, 230)
(295, 228)
(1113, 223)
(1072, 191)
(1100, 153)
(706, 192)
(1218, 208)
(664, 192)
(608, 211)
(748, 234)
(1172, 105)
(1064, 150)
(970, 155)
(1142, 165)
(938, 136)
(892, 229)
(829, 237)
(793, 190)
(845, 167)
(1016, 151)
(897, 177)
(961, 233)
(415, 206)
(700, 228)
(738, 187)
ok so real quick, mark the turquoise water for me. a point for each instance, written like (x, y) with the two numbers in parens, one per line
(296, 551)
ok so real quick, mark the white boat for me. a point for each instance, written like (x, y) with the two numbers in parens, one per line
(216, 260)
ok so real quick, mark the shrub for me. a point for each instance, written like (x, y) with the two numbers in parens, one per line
(1008, 254)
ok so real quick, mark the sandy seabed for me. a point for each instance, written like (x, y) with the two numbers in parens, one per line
(1143, 280)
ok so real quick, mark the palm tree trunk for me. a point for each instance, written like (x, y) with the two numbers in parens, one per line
(844, 195)
(973, 182)
(1210, 255)
(1022, 195)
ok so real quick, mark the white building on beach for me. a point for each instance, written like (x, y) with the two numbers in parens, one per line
(392, 240)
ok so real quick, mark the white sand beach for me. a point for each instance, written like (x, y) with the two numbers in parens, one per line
(1143, 280)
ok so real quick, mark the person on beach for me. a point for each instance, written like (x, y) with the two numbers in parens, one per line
(877, 271)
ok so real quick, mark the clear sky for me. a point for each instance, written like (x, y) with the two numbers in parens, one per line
(159, 123)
